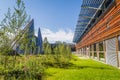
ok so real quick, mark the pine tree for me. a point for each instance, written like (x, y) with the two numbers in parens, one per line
(45, 45)
(19, 20)
(14, 22)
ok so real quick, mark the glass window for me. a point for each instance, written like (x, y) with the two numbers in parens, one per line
(94, 47)
(108, 2)
(119, 43)
(101, 46)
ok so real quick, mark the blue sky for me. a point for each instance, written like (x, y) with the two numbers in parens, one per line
(56, 18)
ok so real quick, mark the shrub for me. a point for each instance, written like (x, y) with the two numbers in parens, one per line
(25, 68)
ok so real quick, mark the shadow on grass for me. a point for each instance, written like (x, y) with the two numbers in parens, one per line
(92, 66)
(74, 66)
(84, 67)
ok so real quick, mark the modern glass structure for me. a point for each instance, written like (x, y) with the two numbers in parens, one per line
(33, 43)
(39, 42)
(97, 33)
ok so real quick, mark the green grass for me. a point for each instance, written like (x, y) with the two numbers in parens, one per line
(80, 69)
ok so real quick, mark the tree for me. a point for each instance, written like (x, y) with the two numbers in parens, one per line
(68, 52)
(45, 40)
(4, 46)
(45, 45)
(19, 20)
(14, 22)
(4, 38)
(63, 53)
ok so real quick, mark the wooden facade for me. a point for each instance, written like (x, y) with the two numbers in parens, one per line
(107, 27)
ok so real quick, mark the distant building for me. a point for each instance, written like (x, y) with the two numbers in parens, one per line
(34, 42)
(39, 42)
(97, 33)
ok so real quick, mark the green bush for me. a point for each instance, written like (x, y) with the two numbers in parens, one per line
(24, 68)
(58, 61)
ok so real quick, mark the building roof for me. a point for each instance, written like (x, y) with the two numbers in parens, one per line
(89, 9)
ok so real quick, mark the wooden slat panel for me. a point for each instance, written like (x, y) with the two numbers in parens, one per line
(107, 27)
(111, 57)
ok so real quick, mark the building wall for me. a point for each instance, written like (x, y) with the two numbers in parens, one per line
(107, 32)
(107, 27)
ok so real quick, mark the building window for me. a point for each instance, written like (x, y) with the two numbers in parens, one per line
(108, 2)
(101, 50)
(101, 46)
(119, 43)
(91, 50)
(95, 52)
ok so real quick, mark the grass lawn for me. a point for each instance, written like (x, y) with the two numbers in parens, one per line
(83, 69)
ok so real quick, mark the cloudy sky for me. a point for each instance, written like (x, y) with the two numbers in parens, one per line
(56, 18)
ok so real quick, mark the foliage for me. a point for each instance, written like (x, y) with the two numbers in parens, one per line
(25, 68)
(63, 53)
(57, 56)
(46, 46)
(12, 25)
(83, 69)
(4, 40)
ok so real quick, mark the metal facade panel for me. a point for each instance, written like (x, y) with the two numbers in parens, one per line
(111, 56)
(88, 9)
(119, 57)
(119, 50)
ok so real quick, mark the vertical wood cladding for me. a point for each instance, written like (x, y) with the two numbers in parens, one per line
(107, 27)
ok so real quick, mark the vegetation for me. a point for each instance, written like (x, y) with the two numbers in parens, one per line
(12, 25)
(56, 63)
(83, 69)
(29, 68)
(44, 67)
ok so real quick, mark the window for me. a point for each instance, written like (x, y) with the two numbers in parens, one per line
(99, 13)
(108, 2)
(119, 43)
(101, 46)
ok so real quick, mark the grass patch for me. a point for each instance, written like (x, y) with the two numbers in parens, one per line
(80, 69)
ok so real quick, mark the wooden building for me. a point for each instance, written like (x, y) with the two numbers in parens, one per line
(97, 33)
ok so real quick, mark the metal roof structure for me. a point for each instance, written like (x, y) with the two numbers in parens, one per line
(89, 9)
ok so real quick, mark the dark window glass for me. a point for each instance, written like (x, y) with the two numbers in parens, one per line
(90, 48)
(108, 2)
(119, 43)
(94, 47)
(101, 46)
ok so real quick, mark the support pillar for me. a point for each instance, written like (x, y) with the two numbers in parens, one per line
(81, 51)
(117, 48)
(104, 49)
(97, 49)
(93, 51)
(89, 51)
(86, 54)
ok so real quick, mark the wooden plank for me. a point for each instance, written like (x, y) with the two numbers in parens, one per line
(101, 30)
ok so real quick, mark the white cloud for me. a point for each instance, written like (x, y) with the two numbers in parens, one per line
(60, 35)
